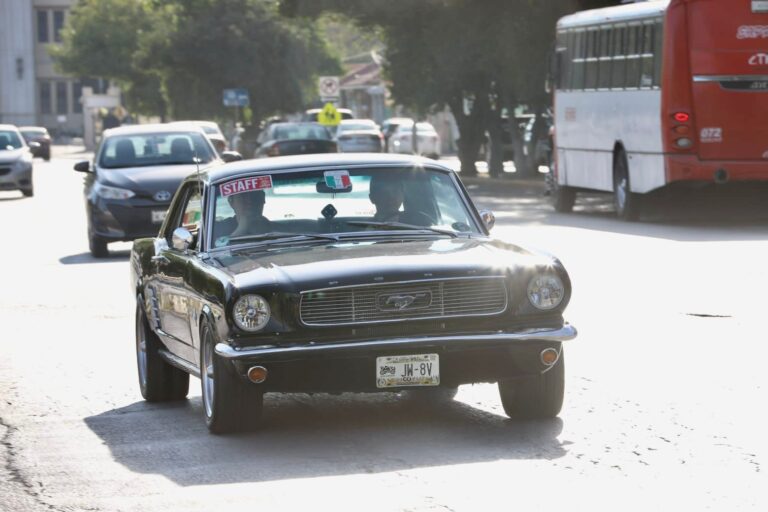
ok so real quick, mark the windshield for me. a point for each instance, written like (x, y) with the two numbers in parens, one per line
(9, 140)
(210, 130)
(421, 127)
(300, 132)
(340, 202)
(146, 149)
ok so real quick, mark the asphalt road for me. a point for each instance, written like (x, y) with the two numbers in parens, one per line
(664, 395)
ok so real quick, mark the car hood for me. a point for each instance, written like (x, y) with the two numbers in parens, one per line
(147, 180)
(10, 156)
(317, 266)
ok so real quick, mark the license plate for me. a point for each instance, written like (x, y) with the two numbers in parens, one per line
(158, 216)
(412, 370)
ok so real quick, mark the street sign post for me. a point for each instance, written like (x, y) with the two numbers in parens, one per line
(329, 88)
(237, 98)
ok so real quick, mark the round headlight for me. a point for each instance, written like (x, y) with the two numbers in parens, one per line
(546, 291)
(251, 313)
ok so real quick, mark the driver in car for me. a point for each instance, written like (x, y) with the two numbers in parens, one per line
(249, 209)
(387, 195)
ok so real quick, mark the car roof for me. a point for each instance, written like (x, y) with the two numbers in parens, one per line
(358, 121)
(10, 127)
(317, 110)
(137, 129)
(329, 160)
(30, 128)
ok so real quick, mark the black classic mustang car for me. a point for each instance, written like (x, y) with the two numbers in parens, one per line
(334, 273)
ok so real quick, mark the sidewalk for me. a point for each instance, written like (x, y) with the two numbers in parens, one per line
(70, 151)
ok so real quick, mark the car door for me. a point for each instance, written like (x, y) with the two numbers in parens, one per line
(175, 296)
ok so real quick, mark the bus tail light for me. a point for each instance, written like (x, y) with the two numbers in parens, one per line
(684, 143)
(682, 117)
(681, 130)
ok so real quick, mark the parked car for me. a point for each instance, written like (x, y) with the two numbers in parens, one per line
(212, 131)
(334, 273)
(428, 142)
(40, 135)
(359, 135)
(15, 161)
(134, 174)
(389, 126)
(278, 139)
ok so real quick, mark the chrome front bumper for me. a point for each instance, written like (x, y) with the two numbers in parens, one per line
(311, 349)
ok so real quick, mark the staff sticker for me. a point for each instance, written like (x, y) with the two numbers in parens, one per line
(246, 185)
(337, 180)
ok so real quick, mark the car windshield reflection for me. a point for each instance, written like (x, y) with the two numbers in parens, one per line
(324, 205)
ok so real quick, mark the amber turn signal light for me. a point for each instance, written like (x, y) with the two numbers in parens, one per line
(257, 374)
(549, 356)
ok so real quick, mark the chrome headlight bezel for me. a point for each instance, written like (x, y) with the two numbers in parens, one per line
(546, 291)
(251, 313)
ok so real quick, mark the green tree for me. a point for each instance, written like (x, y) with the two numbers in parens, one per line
(183, 53)
(102, 39)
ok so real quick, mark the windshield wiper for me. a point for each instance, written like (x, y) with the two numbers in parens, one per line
(401, 226)
(279, 236)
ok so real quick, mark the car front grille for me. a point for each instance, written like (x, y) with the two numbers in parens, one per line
(4, 171)
(412, 300)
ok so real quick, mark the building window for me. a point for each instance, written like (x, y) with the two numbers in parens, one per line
(58, 24)
(77, 97)
(45, 98)
(62, 99)
(42, 27)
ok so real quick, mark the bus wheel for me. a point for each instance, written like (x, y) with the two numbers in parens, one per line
(626, 202)
(563, 197)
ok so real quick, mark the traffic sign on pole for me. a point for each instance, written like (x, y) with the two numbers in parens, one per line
(236, 98)
(329, 116)
(329, 88)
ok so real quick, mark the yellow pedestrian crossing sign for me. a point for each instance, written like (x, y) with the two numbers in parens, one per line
(329, 116)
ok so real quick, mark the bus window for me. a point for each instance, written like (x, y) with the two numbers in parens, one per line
(633, 57)
(646, 59)
(592, 63)
(604, 81)
(658, 53)
(619, 67)
(579, 64)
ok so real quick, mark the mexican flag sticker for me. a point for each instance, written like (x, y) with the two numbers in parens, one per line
(337, 180)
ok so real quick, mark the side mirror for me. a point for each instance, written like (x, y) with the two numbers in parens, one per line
(84, 166)
(182, 239)
(231, 156)
(489, 219)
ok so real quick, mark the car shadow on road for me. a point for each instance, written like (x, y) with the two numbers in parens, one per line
(319, 435)
(12, 198)
(87, 258)
(711, 213)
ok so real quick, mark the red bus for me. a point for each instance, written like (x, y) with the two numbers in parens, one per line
(660, 92)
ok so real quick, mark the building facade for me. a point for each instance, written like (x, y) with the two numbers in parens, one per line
(32, 92)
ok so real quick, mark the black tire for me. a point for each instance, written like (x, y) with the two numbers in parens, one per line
(232, 405)
(537, 397)
(98, 246)
(158, 380)
(47, 156)
(626, 202)
(563, 198)
(28, 192)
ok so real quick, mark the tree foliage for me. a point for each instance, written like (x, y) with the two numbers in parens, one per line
(185, 52)
(482, 54)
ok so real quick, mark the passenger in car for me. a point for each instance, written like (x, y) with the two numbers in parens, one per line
(249, 210)
(387, 195)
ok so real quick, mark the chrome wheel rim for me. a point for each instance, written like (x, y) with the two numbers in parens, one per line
(206, 373)
(141, 350)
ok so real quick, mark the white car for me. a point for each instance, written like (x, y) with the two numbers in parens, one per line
(15, 161)
(428, 141)
(359, 136)
(212, 132)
